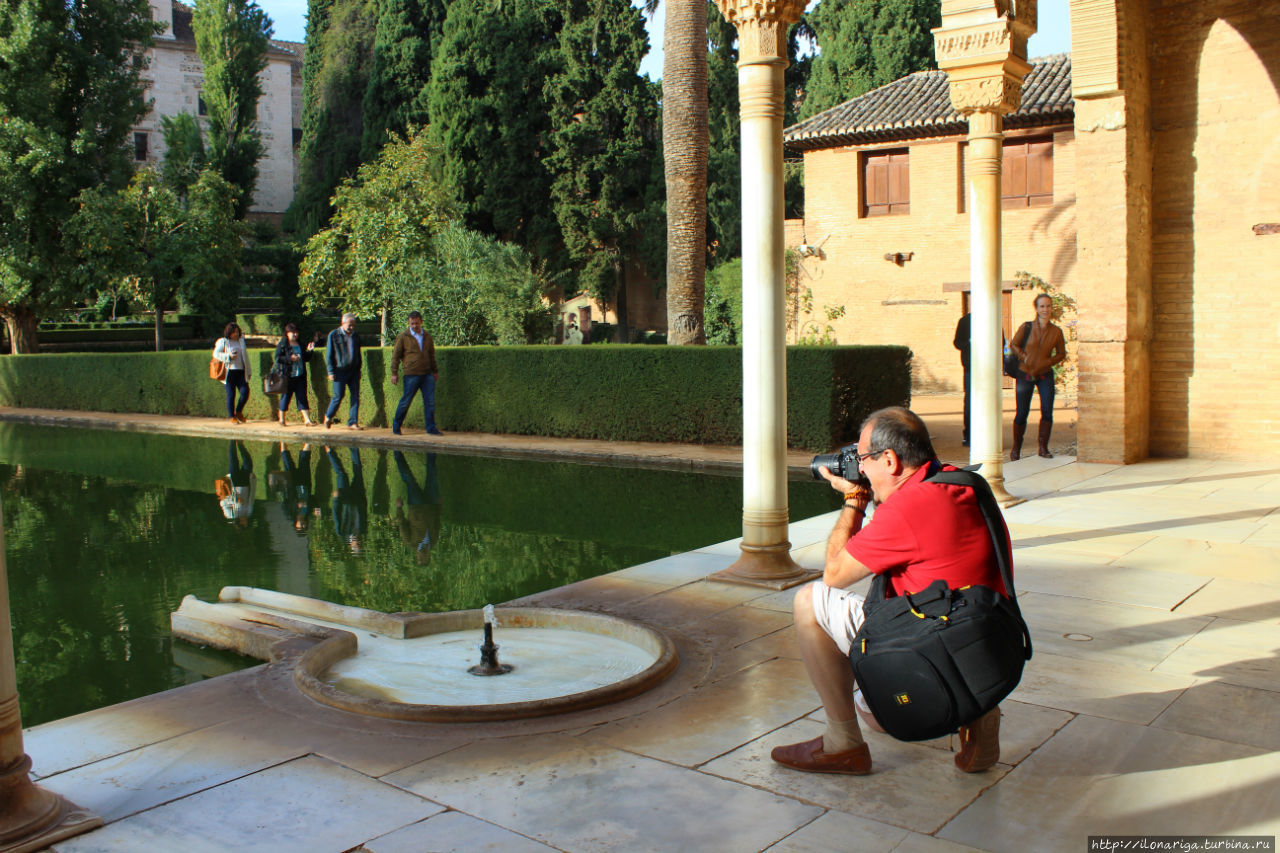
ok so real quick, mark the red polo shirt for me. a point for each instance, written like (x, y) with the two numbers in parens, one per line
(926, 531)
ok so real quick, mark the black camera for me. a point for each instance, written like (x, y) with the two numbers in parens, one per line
(843, 463)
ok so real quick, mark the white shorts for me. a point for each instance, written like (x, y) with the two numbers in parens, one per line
(839, 613)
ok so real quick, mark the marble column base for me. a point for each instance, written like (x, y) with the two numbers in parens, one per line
(768, 566)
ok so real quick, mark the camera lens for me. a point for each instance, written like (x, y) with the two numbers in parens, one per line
(824, 460)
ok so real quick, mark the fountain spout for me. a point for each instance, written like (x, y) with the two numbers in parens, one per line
(489, 649)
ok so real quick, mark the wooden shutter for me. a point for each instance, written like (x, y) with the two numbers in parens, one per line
(1027, 174)
(886, 183)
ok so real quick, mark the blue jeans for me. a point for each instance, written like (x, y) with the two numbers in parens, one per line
(1023, 387)
(412, 385)
(295, 388)
(341, 385)
(235, 379)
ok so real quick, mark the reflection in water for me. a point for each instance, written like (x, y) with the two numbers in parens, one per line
(106, 532)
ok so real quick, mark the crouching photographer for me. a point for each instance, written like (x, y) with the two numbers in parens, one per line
(921, 532)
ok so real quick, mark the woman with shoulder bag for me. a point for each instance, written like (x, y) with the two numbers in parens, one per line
(231, 351)
(291, 360)
(1039, 346)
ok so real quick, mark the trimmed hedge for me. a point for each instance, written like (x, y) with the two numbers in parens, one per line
(612, 392)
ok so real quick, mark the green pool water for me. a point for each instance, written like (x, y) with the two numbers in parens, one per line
(105, 532)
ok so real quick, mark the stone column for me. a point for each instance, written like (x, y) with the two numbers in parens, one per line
(982, 45)
(762, 44)
(31, 818)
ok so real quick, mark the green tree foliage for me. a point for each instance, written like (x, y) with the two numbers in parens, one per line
(335, 79)
(184, 155)
(70, 92)
(489, 122)
(723, 310)
(539, 101)
(380, 233)
(865, 44)
(605, 170)
(159, 244)
(232, 37)
(404, 39)
(364, 82)
(479, 290)
(393, 245)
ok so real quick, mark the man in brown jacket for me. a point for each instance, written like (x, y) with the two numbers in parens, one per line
(415, 349)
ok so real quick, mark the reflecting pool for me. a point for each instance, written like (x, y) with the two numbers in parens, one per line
(105, 532)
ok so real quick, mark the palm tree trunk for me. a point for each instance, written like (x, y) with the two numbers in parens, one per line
(684, 148)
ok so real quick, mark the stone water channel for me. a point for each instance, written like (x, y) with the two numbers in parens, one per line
(105, 532)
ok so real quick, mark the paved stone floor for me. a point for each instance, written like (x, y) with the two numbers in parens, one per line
(1150, 708)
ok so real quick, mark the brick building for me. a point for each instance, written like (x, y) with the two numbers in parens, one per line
(1164, 225)
(176, 76)
(886, 233)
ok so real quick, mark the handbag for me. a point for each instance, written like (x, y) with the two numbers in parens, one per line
(1011, 366)
(275, 381)
(217, 369)
(222, 487)
(933, 661)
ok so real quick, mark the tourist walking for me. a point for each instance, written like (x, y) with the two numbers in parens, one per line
(416, 351)
(1039, 346)
(291, 358)
(231, 351)
(343, 362)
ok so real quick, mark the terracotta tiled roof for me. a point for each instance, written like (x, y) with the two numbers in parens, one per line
(919, 105)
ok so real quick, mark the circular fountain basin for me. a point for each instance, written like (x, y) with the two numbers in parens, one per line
(563, 660)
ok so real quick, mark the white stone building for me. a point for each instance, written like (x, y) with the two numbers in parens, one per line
(176, 76)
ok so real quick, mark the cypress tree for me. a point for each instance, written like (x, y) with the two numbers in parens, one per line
(865, 44)
(335, 78)
(604, 143)
(405, 37)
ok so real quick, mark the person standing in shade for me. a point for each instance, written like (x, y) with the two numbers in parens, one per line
(417, 352)
(961, 342)
(1040, 346)
(231, 351)
(343, 362)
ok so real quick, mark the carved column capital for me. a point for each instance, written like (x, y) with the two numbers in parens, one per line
(762, 27)
(999, 94)
(982, 45)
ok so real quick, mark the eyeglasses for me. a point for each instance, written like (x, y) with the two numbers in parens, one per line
(858, 458)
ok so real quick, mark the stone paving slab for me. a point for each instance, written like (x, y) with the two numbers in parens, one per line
(453, 832)
(585, 797)
(913, 785)
(302, 806)
(1101, 777)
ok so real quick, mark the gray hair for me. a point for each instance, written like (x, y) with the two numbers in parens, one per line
(902, 431)
(348, 316)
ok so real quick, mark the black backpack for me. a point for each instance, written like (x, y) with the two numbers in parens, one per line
(938, 659)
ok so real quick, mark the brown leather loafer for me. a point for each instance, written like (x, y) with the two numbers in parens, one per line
(808, 756)
(980, 743)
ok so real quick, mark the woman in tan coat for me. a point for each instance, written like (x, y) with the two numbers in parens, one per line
(1039, 346)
